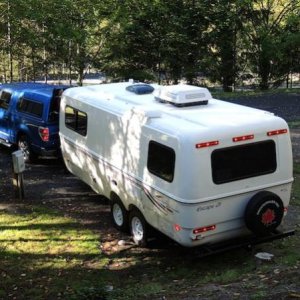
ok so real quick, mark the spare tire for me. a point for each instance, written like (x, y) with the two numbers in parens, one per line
(264, 213)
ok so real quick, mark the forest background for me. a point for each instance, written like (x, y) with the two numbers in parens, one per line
(229, 43)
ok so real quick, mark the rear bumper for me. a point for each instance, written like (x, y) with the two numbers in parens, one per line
(50, 153)
(245, 242)
(53, 151)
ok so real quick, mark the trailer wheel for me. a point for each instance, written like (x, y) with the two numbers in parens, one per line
(24, 146)
(119, 214)
(138, 227)
(264, 213)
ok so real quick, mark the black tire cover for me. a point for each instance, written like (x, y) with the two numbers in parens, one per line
(264, 213)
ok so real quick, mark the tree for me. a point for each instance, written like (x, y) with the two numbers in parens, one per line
(265, 24)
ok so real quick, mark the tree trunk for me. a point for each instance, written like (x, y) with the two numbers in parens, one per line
(10, 55)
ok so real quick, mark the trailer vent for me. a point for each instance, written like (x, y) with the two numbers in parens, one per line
(140, 88)
(182, 95)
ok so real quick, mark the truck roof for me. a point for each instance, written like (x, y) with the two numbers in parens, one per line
(217, 114)
(32, 86)
(39, 91)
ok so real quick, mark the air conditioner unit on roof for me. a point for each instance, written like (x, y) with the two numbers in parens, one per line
(182, 95)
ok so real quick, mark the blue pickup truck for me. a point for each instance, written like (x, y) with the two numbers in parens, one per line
(29, 118)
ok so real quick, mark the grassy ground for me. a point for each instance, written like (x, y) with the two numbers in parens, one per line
(45, 255)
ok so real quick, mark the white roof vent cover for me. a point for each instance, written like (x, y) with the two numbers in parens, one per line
(182, 95)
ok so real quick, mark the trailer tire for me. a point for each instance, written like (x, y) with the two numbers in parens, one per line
(119, 214)
(138, 228)
(264, 213)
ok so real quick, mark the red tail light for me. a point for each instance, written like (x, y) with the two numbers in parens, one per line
(243, 138)
(44, 133)
(204, 229)
(276, 132)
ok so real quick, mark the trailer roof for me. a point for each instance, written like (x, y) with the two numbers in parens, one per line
(216, 113)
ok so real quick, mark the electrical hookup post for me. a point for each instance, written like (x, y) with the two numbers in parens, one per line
(18, 169)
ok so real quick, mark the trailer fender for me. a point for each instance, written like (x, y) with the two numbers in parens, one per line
(264, 213)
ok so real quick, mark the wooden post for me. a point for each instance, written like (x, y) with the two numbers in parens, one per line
(18, 183)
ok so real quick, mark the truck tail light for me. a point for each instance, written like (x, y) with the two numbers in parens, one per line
(204, 229)
(44, 133)
(276, 132)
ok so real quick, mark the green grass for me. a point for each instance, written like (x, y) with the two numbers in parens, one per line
(294, 124)
(43, 255)
(295, 199)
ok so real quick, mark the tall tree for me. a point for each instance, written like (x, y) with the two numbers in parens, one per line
(265, 21)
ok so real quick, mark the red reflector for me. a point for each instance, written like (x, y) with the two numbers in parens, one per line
(44, 133)
(177, 227)
(243, 138)
(276, 132)
(204, 229)
(285, 209)
(207, 144)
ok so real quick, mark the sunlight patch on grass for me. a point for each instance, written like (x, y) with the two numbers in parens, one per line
(45, 233)
(46, 255)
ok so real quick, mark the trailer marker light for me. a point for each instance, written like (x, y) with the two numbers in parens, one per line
(243, 138)
(207, 144)
(177, 227)
(276, 132)
(204, 229)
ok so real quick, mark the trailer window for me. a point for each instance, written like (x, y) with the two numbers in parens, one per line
(30, 107)
(76, 120)
(240, 162)
(4, 99)
(161, 161)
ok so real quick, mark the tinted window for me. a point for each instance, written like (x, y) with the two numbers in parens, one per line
(30, 107)
(76, 120)
(161, 161)
(54, 105)
(240, 162)
(4, 99)
(54, 109)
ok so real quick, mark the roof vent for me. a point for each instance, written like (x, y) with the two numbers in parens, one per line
(182, 95)
(140, 88)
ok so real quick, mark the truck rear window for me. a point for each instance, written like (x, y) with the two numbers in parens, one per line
(240, 162)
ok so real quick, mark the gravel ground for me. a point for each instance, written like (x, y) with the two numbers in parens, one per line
(286, 106)
(283, 105)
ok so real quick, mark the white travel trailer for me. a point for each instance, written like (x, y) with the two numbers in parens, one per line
(199, 170)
